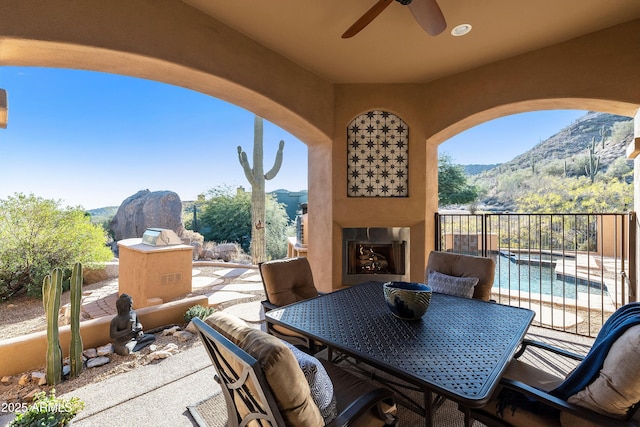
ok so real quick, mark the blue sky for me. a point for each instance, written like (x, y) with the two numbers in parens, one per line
(93, 139)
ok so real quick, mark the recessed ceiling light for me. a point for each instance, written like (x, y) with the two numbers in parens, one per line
(461, 30)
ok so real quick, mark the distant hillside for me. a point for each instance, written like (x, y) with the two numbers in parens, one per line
(563, 154)
(476, 169)
(100, 215)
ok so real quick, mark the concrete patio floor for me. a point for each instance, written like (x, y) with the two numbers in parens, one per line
(158, 394)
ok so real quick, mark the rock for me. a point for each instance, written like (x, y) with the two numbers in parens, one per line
(152, 348)
(192, 328)
(24, 379)
(160, 354)
(105, 349)
(29, 396)
(226, 251)
(6, 380)
(90, 353)
(97, 361)
(171, 347)
(146, 209)
(183, 335)
(99, 272)
(66, 370)
(37, 375)
(171, 331)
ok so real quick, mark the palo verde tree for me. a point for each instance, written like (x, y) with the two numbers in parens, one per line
(256, 178)
(38, 235)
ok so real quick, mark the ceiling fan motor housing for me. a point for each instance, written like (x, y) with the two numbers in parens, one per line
(404, 2)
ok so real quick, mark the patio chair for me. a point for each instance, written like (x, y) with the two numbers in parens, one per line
(462, 275)
(263, 380)
(604, 389)
(287, 281)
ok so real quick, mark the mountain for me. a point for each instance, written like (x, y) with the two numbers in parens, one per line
(564, 154)
(100, 215)
(477, 169)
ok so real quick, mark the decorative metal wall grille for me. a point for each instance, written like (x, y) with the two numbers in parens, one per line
(377, 156)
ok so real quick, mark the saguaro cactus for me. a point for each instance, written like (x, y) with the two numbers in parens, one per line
(51, 291)
(593, 162)
(256, 178)
(75, 347)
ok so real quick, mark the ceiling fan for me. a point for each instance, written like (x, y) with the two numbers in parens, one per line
(426, 12)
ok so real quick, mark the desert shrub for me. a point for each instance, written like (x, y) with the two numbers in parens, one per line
(49, 410)
(194, 236)
(199, 311)
(37, 235)
(226, 217)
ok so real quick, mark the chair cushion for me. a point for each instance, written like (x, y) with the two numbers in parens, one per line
(288, 280)
(319, 382)
(280, 367)
(465, 266)
(617, 387)
(452, 285)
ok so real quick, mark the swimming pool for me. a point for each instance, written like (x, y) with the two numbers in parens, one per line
(540, 277)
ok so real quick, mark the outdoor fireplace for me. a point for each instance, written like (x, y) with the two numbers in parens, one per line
(379, 254)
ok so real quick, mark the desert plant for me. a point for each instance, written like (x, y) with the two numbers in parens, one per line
(52, 289)
(256, 178)
(199, 311)
(49, 411)
(38, 235)
(75, 347)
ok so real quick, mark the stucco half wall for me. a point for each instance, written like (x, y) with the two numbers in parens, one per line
(29, 352)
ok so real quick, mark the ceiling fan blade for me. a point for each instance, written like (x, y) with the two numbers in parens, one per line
(428, 14)
(365, 19)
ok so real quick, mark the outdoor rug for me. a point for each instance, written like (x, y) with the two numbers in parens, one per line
(212, 412)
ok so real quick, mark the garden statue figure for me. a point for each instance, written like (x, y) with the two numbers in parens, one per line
(125, 331)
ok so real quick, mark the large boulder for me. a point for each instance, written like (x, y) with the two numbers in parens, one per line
(146, 209)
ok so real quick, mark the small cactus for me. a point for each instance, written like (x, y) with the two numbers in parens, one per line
(75, 348)
(51, 291)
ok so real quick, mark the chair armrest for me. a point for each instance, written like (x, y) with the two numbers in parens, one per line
(361, 405)
(268, 306)
(562, 405)
(539, 344)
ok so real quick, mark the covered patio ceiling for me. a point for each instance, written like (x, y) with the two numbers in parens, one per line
(395, 49)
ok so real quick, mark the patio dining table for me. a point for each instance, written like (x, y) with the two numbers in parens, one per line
(458, 349)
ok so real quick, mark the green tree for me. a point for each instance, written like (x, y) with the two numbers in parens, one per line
(226, 217)
(38, 235)
(453, 188)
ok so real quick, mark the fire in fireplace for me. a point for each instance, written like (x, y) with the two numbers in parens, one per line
(375, 254)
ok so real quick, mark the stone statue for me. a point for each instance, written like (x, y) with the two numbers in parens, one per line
(125, 330)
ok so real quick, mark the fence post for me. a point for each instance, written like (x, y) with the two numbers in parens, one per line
(438, 242)
(632, 275)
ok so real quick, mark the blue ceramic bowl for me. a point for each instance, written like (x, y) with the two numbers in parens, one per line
(407, 300)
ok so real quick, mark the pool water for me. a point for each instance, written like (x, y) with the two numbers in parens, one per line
(539, 279)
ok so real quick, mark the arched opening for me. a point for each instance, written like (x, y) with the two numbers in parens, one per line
(552, 210)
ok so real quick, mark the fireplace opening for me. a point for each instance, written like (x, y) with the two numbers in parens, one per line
(379, 254)
(376, 258)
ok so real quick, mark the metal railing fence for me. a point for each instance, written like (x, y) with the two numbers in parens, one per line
(572, 269)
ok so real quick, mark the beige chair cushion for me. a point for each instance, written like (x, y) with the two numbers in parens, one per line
(465, 266)
(280, 367)
(617, 387)
(288, 280)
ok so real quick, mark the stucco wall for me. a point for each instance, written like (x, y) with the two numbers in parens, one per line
(171, 42)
